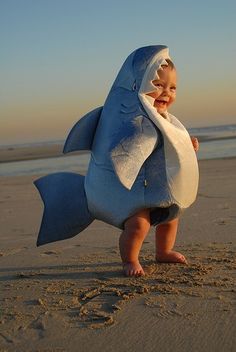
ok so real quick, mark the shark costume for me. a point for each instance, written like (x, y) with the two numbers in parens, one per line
(139, 159)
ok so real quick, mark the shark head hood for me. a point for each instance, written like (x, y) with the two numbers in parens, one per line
(137, 74)
(139, 69)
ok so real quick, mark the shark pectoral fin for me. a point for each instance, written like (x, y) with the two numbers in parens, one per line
(82, 134)
(65, 207)
(130, 153)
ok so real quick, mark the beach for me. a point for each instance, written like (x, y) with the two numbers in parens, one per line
(72, 295)
(19, 153)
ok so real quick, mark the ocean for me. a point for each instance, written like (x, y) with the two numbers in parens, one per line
(215, 142)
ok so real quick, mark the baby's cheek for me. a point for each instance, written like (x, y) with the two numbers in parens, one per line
(171, 101)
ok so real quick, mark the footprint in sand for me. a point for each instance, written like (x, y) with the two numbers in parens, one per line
(222, 221)
(165, 308)
(50, 252)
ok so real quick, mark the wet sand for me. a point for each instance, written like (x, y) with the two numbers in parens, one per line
(72, 295)
(8, 154)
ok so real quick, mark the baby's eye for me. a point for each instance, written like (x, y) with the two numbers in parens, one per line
(157, 84)
(173, 89)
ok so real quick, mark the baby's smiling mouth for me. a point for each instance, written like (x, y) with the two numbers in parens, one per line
(161, 103)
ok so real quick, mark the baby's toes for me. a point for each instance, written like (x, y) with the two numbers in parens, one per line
(181, 258)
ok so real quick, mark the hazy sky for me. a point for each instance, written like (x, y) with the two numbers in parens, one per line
(59, 58)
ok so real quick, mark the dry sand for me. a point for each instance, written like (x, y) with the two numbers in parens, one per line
(72, 296)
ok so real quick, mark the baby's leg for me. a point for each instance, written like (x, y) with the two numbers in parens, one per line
(165, 240)
(135, 230)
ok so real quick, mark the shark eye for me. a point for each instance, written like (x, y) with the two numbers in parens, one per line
(134, 86)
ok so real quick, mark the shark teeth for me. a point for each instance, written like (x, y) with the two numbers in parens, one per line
(158, 66)
(164, 62)
(161, 63)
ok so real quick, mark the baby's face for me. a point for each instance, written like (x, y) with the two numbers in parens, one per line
(165, 92)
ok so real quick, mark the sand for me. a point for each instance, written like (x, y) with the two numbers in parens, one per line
(72, 295)
(9, 154)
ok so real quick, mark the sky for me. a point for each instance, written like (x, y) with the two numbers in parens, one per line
(59, 59)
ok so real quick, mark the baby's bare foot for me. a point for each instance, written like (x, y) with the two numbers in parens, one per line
(133, 269)
(171, 257)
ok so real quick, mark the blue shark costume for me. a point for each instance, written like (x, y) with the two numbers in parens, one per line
(139, 159)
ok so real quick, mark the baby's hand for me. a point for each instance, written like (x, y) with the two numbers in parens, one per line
(195, 143)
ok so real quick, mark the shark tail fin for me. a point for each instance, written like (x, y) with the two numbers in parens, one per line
(65, 207)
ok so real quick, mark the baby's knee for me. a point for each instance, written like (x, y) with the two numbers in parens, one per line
(138, 225)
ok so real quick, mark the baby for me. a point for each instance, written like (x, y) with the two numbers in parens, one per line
(143, 169)
(137, 226)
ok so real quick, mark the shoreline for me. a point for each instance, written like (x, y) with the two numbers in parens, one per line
(15, 154)
(9, 155)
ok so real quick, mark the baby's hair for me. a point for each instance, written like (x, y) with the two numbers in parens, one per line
(170, 64)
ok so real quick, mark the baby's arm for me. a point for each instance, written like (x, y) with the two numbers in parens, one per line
(195, 143)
